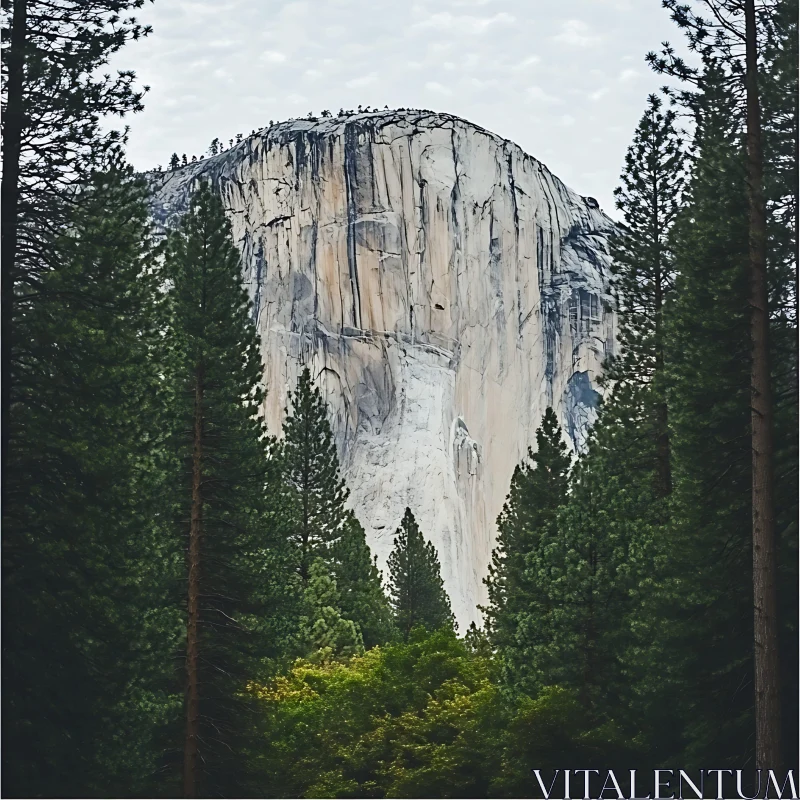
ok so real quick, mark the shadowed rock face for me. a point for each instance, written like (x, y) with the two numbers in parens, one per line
(444, 288)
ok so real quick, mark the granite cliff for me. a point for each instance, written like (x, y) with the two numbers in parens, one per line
(443, 286)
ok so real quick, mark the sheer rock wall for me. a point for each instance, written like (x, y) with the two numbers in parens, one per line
(444, 288)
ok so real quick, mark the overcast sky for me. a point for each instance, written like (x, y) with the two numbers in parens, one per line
(564, 79)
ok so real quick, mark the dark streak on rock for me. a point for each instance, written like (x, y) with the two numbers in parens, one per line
(351, 182)
(259, 280)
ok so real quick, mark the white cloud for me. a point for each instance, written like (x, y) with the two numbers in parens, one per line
(294, 10)
(628, 75)
(575, 33)
(364, 80)
(272, 57)
(464, 23)
(599, 93)
(296, 99)
(526, 63)
(537, 94)
(433, 86)
(481, 84)
(567, 120)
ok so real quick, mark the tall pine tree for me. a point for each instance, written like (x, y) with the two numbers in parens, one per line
(415, 581)
(315, 521)
(55, 97)
(314, 493)
(220, 452)
(649, 199)
(732, 40)
(702, 595)
(518, 603)
(87, 628)
(360, 584)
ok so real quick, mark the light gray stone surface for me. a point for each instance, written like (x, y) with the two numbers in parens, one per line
(444, 288)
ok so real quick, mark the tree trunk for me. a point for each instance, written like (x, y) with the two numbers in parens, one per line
(13, 122)
(662, 413)
(589, 676)
(767, 701)
(190, 753)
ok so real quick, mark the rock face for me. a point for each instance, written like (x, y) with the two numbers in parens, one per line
(444, 288)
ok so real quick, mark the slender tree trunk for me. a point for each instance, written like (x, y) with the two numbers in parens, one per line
(767, 699)
(190, 753)
(305, 553)
(662, 416)
(13, 123)
(590, 636)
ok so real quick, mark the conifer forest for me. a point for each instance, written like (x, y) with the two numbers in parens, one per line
(190, 605)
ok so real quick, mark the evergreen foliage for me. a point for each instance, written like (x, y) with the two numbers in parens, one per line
(324, 633)
(422, 718)
(220, 456)
(360, 584)
(165, 562)
(780, 100)
(415, 582)
(87, 630)
(649, 198)
(314, 514)
(519, 597)
(54, 98)
(737, 43)
(315, 522)
(643, 274)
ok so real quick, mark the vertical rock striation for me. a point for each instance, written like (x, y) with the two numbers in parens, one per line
(444, 288)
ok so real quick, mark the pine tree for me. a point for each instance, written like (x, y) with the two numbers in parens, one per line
(314, 515)
(55, 98)
(780, 116)
(325, 634)
(701, 601)
(220, 455)
(601, 559)
(415, 582)
(87, 628)
(174, 161)
(731, 41)
(361, 595)
(649, 198)
(525, 527)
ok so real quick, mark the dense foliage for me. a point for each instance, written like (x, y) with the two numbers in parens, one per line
(424, 718)
(191, 606)
(415, 581)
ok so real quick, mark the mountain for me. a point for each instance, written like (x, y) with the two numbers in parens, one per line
(444, 287)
